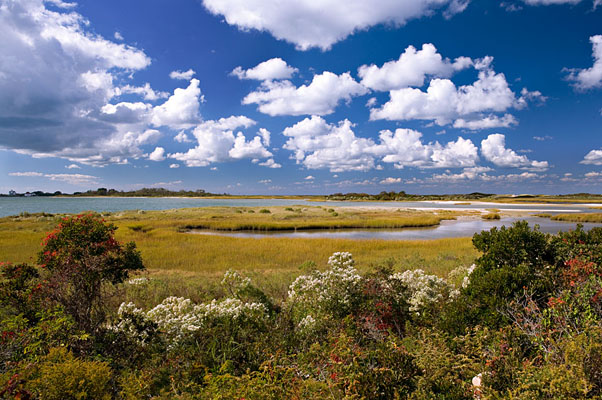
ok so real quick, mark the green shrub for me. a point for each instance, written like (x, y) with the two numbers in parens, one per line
(20, 289)
(62, 376)
(513, 258)
(81, 255)
(265, 211)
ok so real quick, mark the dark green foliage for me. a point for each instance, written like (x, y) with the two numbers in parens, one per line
(513, 258)
(19, 289)
(81, 257)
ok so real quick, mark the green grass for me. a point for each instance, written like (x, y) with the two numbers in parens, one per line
(579, 217)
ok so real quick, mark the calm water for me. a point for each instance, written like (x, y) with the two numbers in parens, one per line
(460, 228)
(447, 229)
(71, 205)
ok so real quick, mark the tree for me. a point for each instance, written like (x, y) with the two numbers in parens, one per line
(81, 257)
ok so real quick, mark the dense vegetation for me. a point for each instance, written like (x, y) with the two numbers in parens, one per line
(525, 321)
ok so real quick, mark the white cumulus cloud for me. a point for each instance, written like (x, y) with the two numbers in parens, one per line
(317, 144)
(183, 75)
(411, 69)
(594, 157)
(320, 97)
(157, 155)
(589, 78)
(217, 142)
(181, 110)
(494, 150)
(475, 106)
(275, 68)
(321, 23)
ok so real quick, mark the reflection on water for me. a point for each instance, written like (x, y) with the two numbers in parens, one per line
(447, 229)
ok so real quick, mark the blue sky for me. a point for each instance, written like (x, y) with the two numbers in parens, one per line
(314, 96)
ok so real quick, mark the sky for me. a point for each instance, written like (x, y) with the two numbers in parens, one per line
(301, 97)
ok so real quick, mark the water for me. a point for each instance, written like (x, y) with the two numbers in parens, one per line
(447, 229)
(459, 228)
(73, 205)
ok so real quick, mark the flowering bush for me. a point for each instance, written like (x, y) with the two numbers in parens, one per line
(177, 318)
(330, 293)
(423, 290)
(138, 281)
(134, 324)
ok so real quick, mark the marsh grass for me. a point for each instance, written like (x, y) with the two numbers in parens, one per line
(192, 265)
(278, 219)
(491, 216)
(543, 215)
(579, 217)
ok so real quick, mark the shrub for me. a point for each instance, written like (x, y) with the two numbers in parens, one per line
(61, 376)
(81, 255)
(265, 211)
(328, 294)
(20, 289)
(513, 258)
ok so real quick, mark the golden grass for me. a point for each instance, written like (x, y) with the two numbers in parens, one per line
(543, 215)
(491, 216)
(579, 217)
(282, 218)
(188, 265)
(164, 247)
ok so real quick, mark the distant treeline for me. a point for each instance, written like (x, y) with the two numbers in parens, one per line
(144, 192)
(391, 196)
(148, 192)
(403, 196)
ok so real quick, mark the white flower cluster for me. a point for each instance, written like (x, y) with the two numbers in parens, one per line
(232, 309)
(466, 280)
(341, 259)
(177, 317)
(423, 289)
(307, 324)
(332, 289)
(133, 322)
(138, 281)
(235, 281)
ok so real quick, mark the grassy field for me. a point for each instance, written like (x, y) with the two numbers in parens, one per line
(191, 265)
(296, 218)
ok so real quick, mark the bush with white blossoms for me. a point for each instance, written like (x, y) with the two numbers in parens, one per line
(138, 281)
(234, 282)
(134, 324)
(307, 325)
(462, 274)
(423, 290)
(329, 292)
(178, 318)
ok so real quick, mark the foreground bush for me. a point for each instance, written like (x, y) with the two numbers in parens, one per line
(81, 255)
(524, 322)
